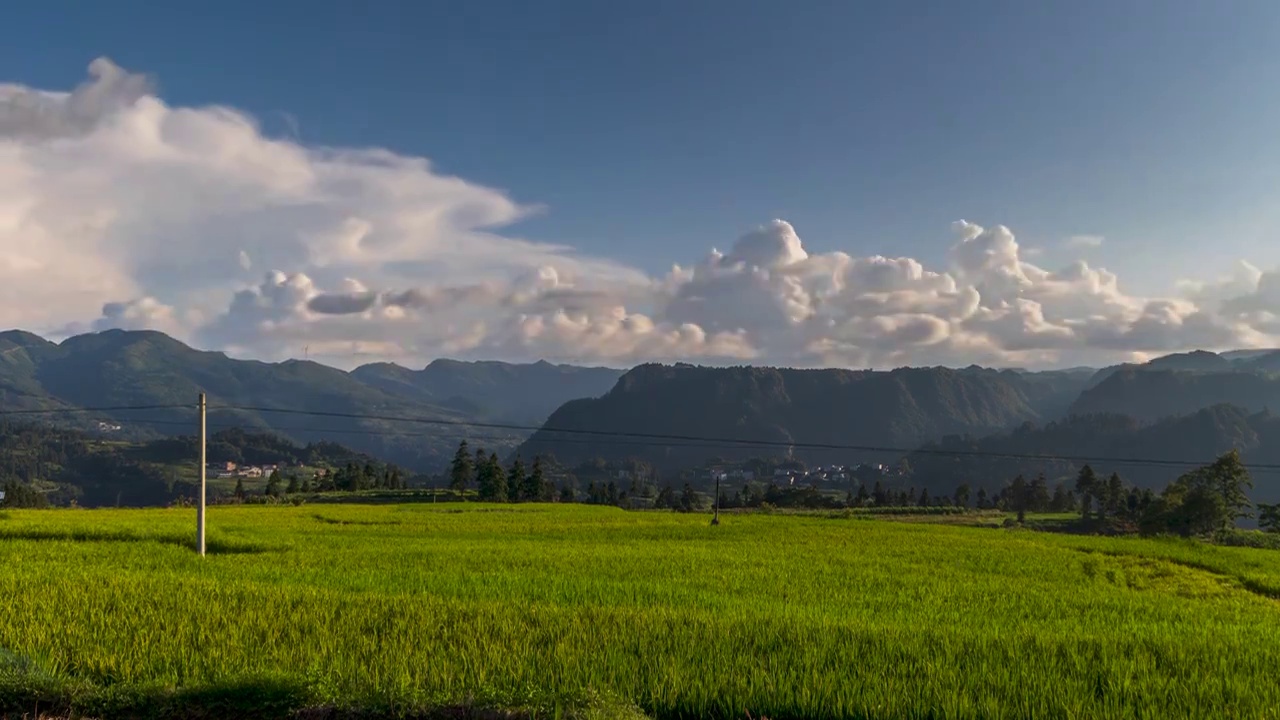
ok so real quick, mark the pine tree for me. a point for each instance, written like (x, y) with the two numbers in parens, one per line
(1086, 485)
(492, 480)
(1269, 518)
(516, 480)
(293, 485)
(1059, 501)
(961, 495)
(536, 483)
(239, 488)
(566, 494)
(273, 483)
(1113, 494)
(460, 471)
(688, 499)
(1038, 494)
(924, 497)
(879, 495)
(861, 499)
(1017, 496)
(984, 502)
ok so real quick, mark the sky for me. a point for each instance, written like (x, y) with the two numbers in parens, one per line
(807, 184)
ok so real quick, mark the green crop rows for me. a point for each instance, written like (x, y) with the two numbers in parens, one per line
(578, 610)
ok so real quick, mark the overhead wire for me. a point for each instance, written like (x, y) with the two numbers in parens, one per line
(589, 436)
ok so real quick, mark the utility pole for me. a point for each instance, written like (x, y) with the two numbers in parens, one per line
(715, 519)
(203, 466)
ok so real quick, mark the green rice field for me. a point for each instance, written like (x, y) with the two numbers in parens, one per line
(579, 611)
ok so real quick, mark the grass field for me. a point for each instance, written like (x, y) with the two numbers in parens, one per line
(576, 610)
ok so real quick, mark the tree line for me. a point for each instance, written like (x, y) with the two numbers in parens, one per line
(497, 484)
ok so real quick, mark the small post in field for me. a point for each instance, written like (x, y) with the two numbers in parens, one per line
(715, 519)
(203, 465)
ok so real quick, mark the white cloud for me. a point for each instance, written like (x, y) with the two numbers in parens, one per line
(118, 210)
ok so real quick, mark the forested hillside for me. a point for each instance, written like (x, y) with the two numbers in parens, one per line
(1180, 443)
(67, 466)
(900, 408)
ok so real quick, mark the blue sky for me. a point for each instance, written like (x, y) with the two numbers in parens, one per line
(654, 130)
(648, 133)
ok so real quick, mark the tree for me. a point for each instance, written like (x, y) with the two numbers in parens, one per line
(983, 501)
(1269, 517)
(879, 495)
(273, 484)
(924, 497)
(1086, 482)
(1203, 501)
(536, 486)
(1017, 496)
(239, 491)
(515, 480)
(566, 493)
(1038, 494)
(862, 498)
(293, 485)
(492, 480)
(665, 498)
(688, 499)
(460, 470)
(1058, 503)
(22, 495)
(1226, 478)
(961, 496)
(1115, 494)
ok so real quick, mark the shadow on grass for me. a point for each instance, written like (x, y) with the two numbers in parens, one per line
(337, 521)
(23, 695)
(213, 546)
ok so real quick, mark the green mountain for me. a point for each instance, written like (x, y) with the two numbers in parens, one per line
(498, 390)
(1110, 443)
(901, 408)
(119, 368)
(1153, 394)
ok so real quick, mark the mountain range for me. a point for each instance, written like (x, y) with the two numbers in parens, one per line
(876, 416)
(1109, 443)
(123, 368)
(514, 393)
(728, 412)
(768, 409)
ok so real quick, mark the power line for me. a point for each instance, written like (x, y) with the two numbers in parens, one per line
(101, 409)
(610, 437)
(734, 443)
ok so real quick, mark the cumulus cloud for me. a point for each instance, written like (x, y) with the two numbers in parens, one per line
(118, 210)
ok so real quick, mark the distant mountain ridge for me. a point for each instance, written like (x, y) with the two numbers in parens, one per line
(130, 368)
(522, 393)
(876, 408)
(1194, 438)
(895, 409)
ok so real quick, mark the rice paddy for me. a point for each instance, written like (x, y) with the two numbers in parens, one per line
(569, 610)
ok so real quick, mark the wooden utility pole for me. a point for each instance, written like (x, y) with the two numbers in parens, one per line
(203, 466)
(715, 519)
